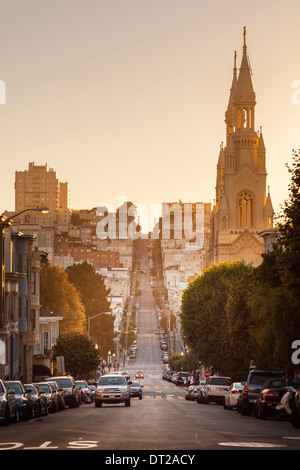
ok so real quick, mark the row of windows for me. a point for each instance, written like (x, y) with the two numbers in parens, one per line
(245, 212)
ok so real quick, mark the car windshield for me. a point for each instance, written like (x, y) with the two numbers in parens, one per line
(112, 380)
(45, 387)
(1, 388)
(64, 383)
(220, 381)
(260, 379)
(53, 385)
(81, 384)
(277, 383)
(135, 384)
(16, 387)
(30, 387)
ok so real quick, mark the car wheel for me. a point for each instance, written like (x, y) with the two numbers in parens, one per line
(16, 417)
(127, 402)
(260, 413)
(98, 404)
(295, 417)
(140, 397)
(30, 413)
(6, 420)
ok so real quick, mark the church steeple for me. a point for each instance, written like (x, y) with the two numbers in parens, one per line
(244, 100)
(230, 114)
(242, 208)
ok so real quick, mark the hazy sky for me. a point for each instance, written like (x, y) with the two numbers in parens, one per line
(127, 97)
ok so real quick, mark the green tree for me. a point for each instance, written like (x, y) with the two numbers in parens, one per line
(80, 354)
(289, 225)
(204, 319)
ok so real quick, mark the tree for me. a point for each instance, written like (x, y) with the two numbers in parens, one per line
(94, 294)
(58, 295)
(289, 226)
(206, 325)
(91, 287)
(81, 355)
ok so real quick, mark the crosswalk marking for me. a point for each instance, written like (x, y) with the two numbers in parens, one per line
(166, 397)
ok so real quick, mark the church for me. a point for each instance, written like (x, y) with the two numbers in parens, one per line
(242, 207)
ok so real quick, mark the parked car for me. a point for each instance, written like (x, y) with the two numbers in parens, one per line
(113, 389)
(8, 404)
(182, 378)
(252, 387)
(71, 391)
(93, 388)
(269, 397)
(23, 399)
(85, 388)
(60, 395)
(39, 399)
(295, 417)
(136, 390)
(195, 392)
(189, 392)
(232, 395)
(50, 395)
(170, 375)
(214, 390)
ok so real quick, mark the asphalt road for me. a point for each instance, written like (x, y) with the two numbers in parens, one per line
(163, 421)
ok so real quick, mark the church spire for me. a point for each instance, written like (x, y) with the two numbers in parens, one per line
(229, 114)
(245, 95)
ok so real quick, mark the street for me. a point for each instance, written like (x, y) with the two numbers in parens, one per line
(162, 420)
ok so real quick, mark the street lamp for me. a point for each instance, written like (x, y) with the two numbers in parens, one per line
(109, 355)
(97, 315)
(5, 222)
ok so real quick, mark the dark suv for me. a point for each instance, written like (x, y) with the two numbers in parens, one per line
(252, 387)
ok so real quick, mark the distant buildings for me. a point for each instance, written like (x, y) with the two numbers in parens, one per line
(39, 187)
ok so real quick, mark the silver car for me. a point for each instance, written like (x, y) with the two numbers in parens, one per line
(113, 389)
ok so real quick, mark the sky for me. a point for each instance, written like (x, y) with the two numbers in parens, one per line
(127, 98)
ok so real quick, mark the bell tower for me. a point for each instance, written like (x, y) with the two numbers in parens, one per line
(242, 208)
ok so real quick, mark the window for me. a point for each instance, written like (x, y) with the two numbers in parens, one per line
(245, 210)
(47, 340)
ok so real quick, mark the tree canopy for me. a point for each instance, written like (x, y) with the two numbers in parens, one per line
(59, 297)
(81, 356)
(94, 294)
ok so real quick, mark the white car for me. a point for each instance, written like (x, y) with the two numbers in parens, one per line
(214, 390)
(232, 396)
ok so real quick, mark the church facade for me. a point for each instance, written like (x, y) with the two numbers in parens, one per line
(242, 206)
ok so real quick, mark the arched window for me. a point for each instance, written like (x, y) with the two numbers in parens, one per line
(245, 209)
(238, 118)
(245, 118)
